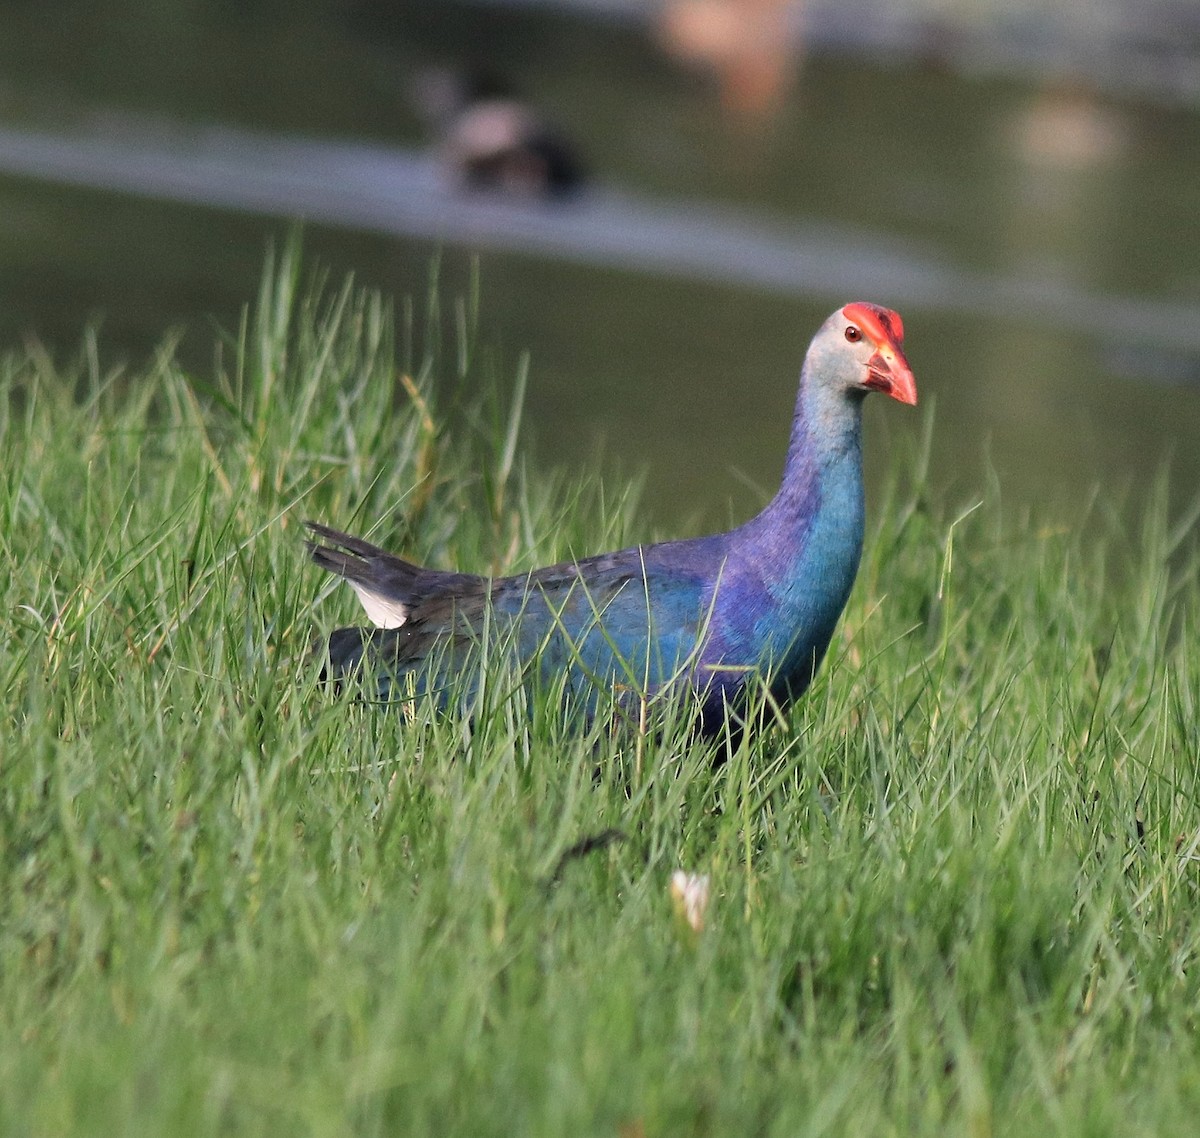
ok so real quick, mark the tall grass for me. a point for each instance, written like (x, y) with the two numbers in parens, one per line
(957, 893)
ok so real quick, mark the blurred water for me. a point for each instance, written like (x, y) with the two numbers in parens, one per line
(1038, 236)
(404, 194)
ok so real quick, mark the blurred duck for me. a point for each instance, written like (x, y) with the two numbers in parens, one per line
(491, 140)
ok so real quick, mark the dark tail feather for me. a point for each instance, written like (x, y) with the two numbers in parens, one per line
(346, 556)
(335, 561)
(346, 540)
(362, 563)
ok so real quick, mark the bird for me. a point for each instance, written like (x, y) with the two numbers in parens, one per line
(493, 140)
(733, 622)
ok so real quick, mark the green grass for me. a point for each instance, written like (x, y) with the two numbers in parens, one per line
(959, 893)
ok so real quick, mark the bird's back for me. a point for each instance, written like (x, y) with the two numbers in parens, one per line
(630, 621)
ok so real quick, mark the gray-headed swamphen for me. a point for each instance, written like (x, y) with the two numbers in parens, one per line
(731, 620)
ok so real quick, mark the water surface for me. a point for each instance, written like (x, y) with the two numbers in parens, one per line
(1039, 237)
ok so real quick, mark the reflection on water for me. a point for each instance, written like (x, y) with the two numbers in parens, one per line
(1038, 236)
(750, 46)
(1124, 46)
(408, 194)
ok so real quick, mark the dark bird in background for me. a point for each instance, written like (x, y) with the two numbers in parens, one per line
(491, 139)
(722, 618)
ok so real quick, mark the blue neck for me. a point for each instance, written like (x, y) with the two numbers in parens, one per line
(819, 506)
(798, 558)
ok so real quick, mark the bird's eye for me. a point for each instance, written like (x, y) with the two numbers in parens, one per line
(853, 334)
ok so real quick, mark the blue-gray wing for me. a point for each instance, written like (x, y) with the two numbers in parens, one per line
(636, 618)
